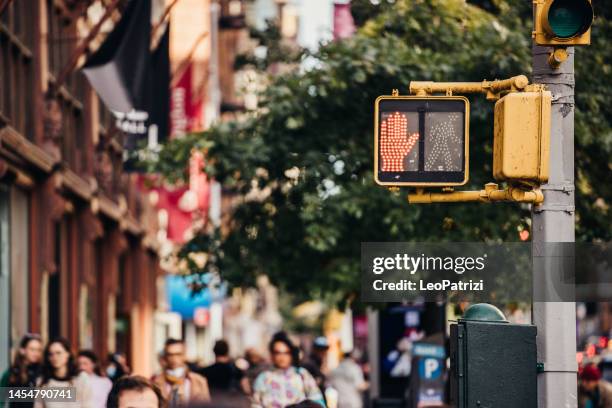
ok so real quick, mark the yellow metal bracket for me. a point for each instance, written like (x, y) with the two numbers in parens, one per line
(492, 89)
(523, 193)
(490, 193)
(557, 56)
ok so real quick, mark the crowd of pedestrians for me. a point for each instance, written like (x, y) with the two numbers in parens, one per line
(284, 380)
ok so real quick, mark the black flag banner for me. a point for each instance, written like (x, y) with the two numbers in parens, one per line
(152, 121)
(159, 88)
(118, 69)
(133, 82)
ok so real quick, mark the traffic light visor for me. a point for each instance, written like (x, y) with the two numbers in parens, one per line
(421, 141)
(569, 18)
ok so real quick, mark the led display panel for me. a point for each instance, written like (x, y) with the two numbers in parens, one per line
(421, 141)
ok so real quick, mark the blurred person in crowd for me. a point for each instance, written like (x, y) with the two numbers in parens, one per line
(593, 392)
(26, 367)
(60, 370)
(223, 376)
(257, 365)
(88, 363)
(348, 380)
(135, 392)
(316, 363)
(178, 384)
(305, 404)
(117, 366)
(161, 361)
(225, 401)
(285, 383)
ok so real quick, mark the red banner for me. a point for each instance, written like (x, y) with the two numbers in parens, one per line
(185, 110)
(344, 26)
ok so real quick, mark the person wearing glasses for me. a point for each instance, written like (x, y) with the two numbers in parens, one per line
(60, 370)
(286, 382)
(26, 367)
(178, 384)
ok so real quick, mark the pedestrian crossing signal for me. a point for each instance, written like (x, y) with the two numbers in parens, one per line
(521, 143)
(421, 141)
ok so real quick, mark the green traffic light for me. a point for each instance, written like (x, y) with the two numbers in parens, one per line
(568, 18)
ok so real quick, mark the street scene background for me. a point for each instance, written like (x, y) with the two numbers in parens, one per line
(185, 186)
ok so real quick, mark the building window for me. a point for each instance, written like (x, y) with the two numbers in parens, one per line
(61, 42)
(19, 265)
(86, 318)
(232, 15)
(5, 300)
(16, 72)
(14, 269)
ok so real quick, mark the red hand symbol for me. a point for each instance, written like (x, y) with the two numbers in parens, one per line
(395, 144)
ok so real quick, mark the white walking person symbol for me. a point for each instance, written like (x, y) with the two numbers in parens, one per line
(443, 135)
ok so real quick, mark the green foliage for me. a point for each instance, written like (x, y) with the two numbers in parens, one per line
(364, 10)
(305, 232)
(593, 130)
(275, 49)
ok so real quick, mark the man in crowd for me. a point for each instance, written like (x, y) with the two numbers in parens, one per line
(223, 376)
(316, 363)
(348, 380)
(177, 383)
(134, 392)
(257, 365)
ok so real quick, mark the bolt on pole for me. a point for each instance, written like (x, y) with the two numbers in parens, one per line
(554, 221)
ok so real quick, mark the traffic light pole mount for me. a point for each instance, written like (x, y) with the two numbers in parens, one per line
(517, 192)
(490, 193)
(492, 89)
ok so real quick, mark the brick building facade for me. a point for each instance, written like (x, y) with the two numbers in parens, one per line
(78, 255)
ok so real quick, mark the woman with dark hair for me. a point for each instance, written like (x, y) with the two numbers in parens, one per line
(285, 383)
(25, 368)
(59, 370)
(100, 385)
(117, 366)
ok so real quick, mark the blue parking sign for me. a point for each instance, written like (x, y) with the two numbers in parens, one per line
(430, 368)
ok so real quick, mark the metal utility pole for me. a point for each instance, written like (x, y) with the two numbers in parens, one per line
(554, 221)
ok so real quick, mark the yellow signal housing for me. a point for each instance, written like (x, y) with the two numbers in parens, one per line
(521, 144)
(562, 22)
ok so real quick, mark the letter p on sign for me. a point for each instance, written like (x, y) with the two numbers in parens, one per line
(430, 368)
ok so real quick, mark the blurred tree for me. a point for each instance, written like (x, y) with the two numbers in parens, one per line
(593, 130)
(307, 150)
(271, 49)
(364, 10)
